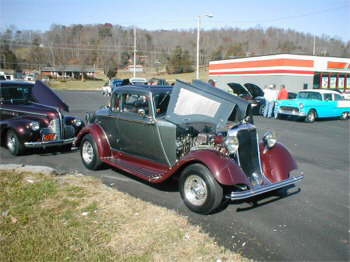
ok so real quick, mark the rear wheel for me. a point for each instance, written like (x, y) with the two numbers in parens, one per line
(311, 116)
(344, 116)
(13, 143)
(199, 190)
(89, 153)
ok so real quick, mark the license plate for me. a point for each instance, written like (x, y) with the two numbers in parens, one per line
(49, 137)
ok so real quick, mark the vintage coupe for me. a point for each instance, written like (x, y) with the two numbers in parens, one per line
(31, 117)
(251, 93)
(313, 104)
(187, 132)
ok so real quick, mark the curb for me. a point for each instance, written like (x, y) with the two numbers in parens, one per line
(29, 168)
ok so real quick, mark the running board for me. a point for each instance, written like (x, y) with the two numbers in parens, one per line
(150, 174)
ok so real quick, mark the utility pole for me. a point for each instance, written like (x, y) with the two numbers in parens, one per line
(134, 51)
(314, 49)
(198, 30)
(198, 36)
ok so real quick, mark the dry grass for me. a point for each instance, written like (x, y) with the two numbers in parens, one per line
(77, 218)
(96, 84)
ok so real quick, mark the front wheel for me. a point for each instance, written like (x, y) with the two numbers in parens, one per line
(13, 143)
(199, 190)
(310, 117)
(89, 153)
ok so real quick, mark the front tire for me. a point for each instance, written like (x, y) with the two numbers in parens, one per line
(89, 153)
(199, 190)
(13, 143)
(311, 116)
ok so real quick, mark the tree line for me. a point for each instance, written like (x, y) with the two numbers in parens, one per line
(111, 46)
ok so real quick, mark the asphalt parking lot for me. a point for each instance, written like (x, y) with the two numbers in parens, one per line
(310, 224)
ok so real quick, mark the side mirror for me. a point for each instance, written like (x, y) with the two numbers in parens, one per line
(141, 112)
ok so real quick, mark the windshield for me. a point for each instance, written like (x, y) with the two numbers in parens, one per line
(16, 93)
(310, 95)
(161, 102)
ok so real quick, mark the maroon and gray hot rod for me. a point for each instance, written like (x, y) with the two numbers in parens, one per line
(189, 131)
(31, 117)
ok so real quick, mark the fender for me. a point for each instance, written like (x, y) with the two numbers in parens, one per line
(277, 162)
(100, 138)
(21, 127)
(224, 169)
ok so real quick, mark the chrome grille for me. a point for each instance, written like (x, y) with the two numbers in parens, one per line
(55, 126)
(248, 151)
(289, 109)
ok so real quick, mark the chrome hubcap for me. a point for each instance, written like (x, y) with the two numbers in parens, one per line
(87, 152)
(311, 116)
(344, 115)
(11, 143)
(195, 190)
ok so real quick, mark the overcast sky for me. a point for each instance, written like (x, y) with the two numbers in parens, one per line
(329, 17)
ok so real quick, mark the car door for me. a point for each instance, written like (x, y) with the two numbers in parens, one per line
(329, 105)
(137, 128)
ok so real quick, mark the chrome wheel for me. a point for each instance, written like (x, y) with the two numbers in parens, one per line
(195, 190)
(344, 115)
(87, 152)
(11, 142)
(311, 116)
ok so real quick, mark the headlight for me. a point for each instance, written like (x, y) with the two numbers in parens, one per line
(301, 106)
(270, 139)
(256, 179)
(231, 143)
(77, 122)
(34, 125)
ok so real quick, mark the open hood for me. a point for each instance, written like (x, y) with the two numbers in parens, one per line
(254, 90)
(44, 95)
(238, 89)
(201, 102)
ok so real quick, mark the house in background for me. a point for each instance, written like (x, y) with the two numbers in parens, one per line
(69, 71)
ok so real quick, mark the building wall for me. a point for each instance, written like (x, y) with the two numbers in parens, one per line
(293, 83)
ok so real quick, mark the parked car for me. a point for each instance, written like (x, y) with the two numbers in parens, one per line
(138, 81)
(313, 104)
(187, 132)
(31, 117)
(251, 93)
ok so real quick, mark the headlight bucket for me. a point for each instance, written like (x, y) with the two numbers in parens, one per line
(231, 143)
(77, 122)
(269, 139)
(34, 125)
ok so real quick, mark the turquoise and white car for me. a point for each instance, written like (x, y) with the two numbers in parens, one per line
(314, 104)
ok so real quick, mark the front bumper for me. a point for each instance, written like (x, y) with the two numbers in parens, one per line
(263, 189)
(41, 144)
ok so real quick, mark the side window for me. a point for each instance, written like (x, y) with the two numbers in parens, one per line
(134, 103)
(316, 96)
(338, 97)
(328, 97)
(116, 103)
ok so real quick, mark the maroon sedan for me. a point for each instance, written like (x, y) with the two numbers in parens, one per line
(31, 117)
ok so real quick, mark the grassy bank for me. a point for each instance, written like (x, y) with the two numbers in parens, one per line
(77, 218)
(96, 84)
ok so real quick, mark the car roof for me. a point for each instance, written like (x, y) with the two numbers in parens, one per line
(321, 91)
(16, 82)
(144, 88)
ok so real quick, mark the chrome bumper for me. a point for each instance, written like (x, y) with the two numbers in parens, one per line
(60, 142)
(263, 189)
